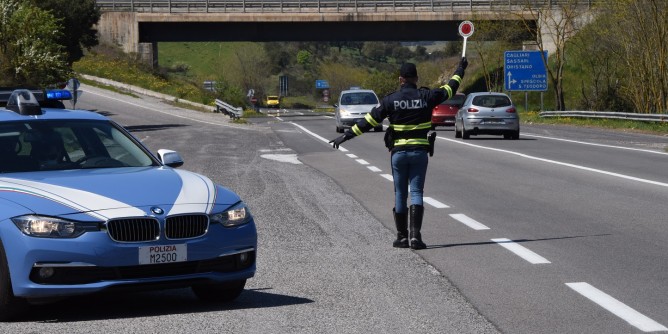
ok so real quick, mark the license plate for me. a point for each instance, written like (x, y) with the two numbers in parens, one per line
(163, 254)
(493, 122)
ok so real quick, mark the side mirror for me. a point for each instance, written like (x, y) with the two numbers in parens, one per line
(170, 158)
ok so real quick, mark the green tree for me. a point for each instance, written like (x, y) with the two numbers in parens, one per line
(29, 52)
(639, 36)
(557, 25)
(382, 82)
(77, 17)
(490, 41)
(341, 76)
(376, 51)
(304, 58)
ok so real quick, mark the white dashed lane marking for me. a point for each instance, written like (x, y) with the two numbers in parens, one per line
(434, 203)
(464, 219)
(374, 169)
(626, 313)
(521, 251)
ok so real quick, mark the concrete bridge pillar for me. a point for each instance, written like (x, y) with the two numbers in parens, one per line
(119, 29)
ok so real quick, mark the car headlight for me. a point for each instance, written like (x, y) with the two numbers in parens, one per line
(344, 112)
(237, 215)
(51, 227)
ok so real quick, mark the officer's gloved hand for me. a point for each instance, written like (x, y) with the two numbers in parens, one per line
(339, 140)
(463, 63)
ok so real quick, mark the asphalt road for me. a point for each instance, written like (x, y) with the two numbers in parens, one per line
(325, 263)
(583, 211)
(562, 231)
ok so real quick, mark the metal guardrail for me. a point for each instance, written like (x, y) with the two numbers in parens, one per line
(607, 115)
(213, 6)
(228, 109)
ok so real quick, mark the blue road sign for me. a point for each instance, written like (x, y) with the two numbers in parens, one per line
(321, 84)
(524, 71)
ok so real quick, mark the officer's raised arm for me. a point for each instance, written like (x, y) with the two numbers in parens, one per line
(452, 85)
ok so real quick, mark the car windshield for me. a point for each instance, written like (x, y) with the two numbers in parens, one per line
(272, 97)
(491, 101)
(67, 144)
(456, 100)
(359, 98)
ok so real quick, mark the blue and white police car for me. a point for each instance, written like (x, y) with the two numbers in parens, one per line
(85, 208)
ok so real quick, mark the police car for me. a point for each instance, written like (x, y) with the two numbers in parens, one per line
(85, 207)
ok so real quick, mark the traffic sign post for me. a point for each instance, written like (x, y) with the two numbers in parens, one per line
(465, 30)
(74, 84)
(525, 71)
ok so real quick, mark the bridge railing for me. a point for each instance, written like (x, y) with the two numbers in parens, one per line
(218, 6)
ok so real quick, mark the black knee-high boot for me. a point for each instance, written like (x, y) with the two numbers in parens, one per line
(416, 214)
(401, 221)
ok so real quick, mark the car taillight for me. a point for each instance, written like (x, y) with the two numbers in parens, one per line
(511, 110)
(435, 108)
(472, 110)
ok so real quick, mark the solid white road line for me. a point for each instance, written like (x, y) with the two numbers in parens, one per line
(617, 308)
(388, 177)
(462, 218)
(374, 169)
(595, 144)
(434, 203)
(317, 136)
(521, 251)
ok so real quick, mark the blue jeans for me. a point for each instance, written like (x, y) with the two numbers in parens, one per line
(409, 167)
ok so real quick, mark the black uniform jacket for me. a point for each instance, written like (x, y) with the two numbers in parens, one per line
(409, 112)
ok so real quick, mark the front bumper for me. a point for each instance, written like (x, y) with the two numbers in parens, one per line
(93, 262)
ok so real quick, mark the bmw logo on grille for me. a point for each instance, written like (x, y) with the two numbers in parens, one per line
(157, 210)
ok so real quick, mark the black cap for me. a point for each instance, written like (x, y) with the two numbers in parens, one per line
(408, 70)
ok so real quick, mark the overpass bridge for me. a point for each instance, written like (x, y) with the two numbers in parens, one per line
(139, 25)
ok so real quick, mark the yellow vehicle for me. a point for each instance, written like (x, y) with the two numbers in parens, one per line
(273, 101)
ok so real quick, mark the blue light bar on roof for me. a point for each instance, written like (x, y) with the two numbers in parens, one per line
(58, 94)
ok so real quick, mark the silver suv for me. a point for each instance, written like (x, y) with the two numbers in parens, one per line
(353, 105)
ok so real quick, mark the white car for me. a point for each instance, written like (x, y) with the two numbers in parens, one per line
(353, 105)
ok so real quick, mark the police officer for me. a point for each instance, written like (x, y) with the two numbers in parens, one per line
(409, 113)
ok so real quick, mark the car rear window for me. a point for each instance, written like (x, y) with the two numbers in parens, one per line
(491, 101)
(358, 98)
(456, 100)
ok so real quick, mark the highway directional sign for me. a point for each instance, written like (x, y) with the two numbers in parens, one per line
(321, 84)
(525, 71)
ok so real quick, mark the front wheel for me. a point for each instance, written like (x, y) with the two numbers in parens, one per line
(219, 292)
(10, 306)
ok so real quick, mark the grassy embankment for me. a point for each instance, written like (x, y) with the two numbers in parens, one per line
(186, 72)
